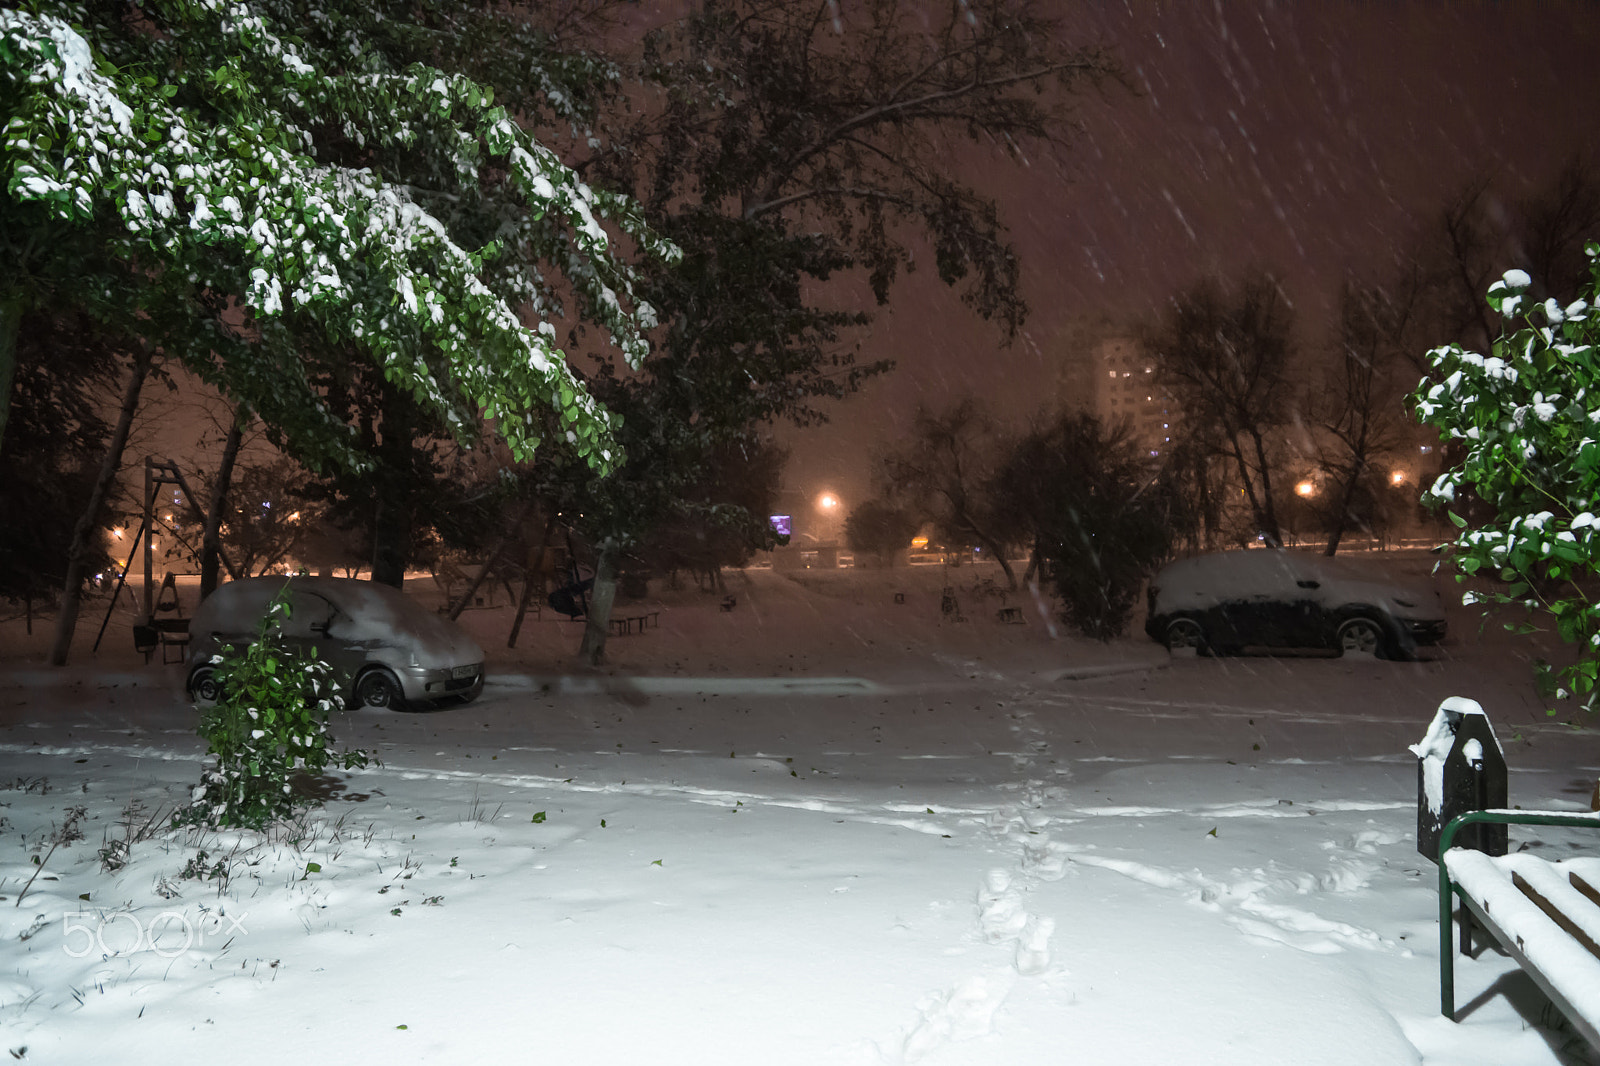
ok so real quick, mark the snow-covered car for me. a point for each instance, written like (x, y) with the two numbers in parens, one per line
(387, 650)
(1223, 603)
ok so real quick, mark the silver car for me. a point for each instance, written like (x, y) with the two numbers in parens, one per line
(386, 649)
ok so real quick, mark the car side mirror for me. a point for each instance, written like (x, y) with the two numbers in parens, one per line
(1309, 584)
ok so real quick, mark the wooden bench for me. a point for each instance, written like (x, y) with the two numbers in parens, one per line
(1546, 915)
(174, 636)
(171, 635)
(626, 625)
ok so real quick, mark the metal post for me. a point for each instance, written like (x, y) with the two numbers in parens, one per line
(149, 525)
(117, 591)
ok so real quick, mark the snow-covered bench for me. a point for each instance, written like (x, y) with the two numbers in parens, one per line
(1545, 914)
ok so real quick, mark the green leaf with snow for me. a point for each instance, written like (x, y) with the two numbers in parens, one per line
(195, 141)
(1522, 418)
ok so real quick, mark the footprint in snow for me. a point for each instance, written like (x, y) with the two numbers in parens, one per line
(965, 1012)
(1000, 912)
(1003, 920)
(1044, 858)
(1033, 946)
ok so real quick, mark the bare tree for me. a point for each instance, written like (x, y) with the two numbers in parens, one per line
(945, 469)
(1476, 235)
(78, 553)
(1356, 412)
(1224, 357)
(1553, 226)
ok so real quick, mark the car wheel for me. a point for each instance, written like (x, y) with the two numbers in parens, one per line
(1185, 634)
(379, 688)
(1362, 636)
(204, 687)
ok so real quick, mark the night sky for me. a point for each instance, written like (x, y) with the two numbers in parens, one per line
(1309, 138)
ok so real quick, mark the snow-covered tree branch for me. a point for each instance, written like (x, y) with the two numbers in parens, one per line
(200, 133)
(1527, 417)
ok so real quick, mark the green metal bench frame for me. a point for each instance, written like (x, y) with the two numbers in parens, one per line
(1471, 910)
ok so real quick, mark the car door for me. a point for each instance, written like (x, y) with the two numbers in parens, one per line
(1301, 617)
(1252, 609)
(312, 630)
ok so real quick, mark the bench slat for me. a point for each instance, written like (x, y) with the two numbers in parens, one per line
(1569, 974)
(1582, 884)
(1562, 903)
(1565, 995)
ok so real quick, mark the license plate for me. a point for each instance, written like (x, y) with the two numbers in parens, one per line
(463, 671)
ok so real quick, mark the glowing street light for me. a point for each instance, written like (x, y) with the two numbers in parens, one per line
(827, 502)
(1305, 488)
(1397, 478)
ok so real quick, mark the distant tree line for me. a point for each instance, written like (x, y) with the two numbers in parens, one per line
(1272, 437)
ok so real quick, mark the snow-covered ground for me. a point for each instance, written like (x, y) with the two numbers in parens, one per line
(823, 827)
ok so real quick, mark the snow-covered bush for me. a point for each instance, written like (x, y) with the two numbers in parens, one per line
(1527, 416)
(269, 723)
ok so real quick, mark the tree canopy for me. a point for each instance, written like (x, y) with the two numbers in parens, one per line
(802, 156)
(230, 151)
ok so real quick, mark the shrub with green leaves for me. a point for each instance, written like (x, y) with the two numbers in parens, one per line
(269, 723)
(1527, 417)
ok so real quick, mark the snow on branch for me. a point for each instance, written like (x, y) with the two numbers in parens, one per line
(242, 203)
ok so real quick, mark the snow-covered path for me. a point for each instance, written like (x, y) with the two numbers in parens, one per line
(1210, 863)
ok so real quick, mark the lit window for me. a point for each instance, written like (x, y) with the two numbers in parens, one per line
(1113, 373)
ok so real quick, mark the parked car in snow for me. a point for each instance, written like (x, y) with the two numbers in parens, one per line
(387, 650)
(1223, 603)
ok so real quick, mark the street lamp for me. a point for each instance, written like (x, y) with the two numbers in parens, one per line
(1305, 488)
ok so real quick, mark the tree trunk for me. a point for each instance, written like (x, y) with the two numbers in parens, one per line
(72, 586)
(1256, 511)
(1270, 511)
(391, 520)
(994, 548)
(211, 539)
(528, 585)
(537, 559)
(597, 619)
(10, 323)
(1341, 517)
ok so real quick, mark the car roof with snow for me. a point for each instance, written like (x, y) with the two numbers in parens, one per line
(1207, 579)
(238, 607)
